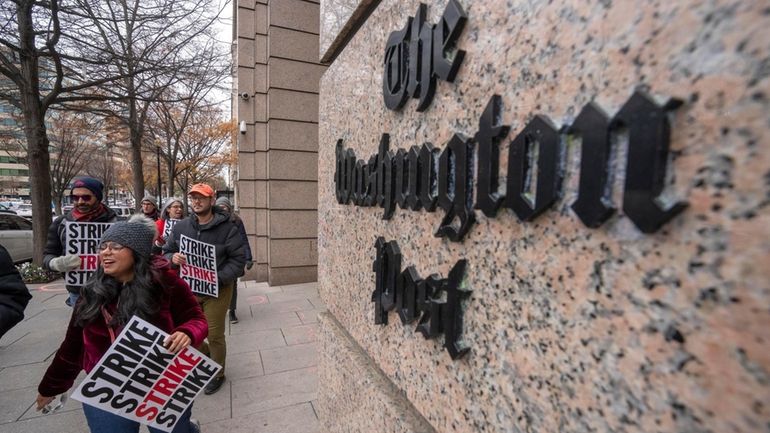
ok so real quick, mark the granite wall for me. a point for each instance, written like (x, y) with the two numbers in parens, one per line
(571, 329)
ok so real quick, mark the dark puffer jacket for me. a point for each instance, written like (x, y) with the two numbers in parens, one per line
(54, 246)
(14, 295)
(221, 232)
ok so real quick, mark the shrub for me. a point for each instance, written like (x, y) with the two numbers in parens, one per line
(32, 273)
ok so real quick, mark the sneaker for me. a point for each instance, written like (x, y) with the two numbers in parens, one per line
(214, 385)
(233, 317)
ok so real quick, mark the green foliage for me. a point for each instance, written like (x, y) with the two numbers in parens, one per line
(32, 273)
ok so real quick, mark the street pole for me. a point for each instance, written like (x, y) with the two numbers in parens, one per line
(160, 198)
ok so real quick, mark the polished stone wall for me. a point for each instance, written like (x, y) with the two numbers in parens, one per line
(571, 329)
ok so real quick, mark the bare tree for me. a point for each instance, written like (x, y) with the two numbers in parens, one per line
(153, 45)
(57, 52)
(36, 55)
(19, 61)
(73, 144)
(102, 165)
(205, 149)
(173, 115)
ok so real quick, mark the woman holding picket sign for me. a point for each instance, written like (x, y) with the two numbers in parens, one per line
(130, 281)
(173, 211)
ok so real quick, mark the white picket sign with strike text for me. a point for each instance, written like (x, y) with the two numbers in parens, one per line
(140, 380)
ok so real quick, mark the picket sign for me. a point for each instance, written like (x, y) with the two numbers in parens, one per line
(167, 227)
(140, 380)
(82, 239)
(200, 271)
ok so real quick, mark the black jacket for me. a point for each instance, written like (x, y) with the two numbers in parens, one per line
(54, 246)
(14, 295)
(221, 232)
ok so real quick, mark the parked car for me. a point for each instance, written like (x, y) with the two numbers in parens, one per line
(6, 209)
(16, 237)
(24, 210)
(123, 212)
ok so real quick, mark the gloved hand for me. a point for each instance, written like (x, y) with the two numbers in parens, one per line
(249, 264)
(65, 263)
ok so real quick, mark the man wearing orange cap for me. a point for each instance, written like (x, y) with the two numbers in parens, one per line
(207, 224)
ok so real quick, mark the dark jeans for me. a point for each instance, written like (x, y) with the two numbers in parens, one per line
(101, 421)
(72, 299)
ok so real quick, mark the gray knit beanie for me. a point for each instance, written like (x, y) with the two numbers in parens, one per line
(224, 201)
(152, 200)
(137, 233)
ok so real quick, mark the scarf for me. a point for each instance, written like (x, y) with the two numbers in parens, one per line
(88, 216)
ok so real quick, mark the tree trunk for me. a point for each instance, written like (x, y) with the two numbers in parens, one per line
(33, 109)
(170, 179)
(137, 172)
(39, 175)
(57, 202)
(185, 188)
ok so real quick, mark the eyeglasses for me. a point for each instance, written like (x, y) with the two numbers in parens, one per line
(200, 198)
(84, 197)
(176, 206)
(112, 246)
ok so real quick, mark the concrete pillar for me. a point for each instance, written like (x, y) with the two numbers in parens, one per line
(279, 71)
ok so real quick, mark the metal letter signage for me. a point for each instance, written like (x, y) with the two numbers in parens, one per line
(445, 178)
(593, 205)
(649, 133)
(419, 53)
(434, 302)
(539, 138)
(425, 177)
(488, 138)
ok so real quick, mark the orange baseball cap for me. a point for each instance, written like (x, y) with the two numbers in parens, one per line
(202, 189)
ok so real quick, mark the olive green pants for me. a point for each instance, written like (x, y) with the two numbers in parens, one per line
(215, 309)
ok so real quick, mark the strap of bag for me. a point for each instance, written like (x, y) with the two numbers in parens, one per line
(107, 319)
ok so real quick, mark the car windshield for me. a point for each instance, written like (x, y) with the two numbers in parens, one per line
(25, 206)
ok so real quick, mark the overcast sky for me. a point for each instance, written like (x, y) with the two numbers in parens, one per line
(225, 37)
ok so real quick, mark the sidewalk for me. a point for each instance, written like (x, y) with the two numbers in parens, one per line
(271, 365)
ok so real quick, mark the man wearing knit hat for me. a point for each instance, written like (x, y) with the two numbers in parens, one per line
(86, 195)
(150, 208)
(208, 224)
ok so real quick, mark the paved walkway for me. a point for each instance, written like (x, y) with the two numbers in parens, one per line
(271, 365)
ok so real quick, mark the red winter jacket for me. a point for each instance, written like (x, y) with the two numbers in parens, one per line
(84, 346)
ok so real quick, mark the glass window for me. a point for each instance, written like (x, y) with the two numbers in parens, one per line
(6, 223)
(22, 223)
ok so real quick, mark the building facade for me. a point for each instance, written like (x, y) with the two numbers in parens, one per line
(544, 216)
(14, 173)
(276, 103)
(523, 216)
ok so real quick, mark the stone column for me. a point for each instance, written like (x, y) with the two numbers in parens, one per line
(278, 155)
